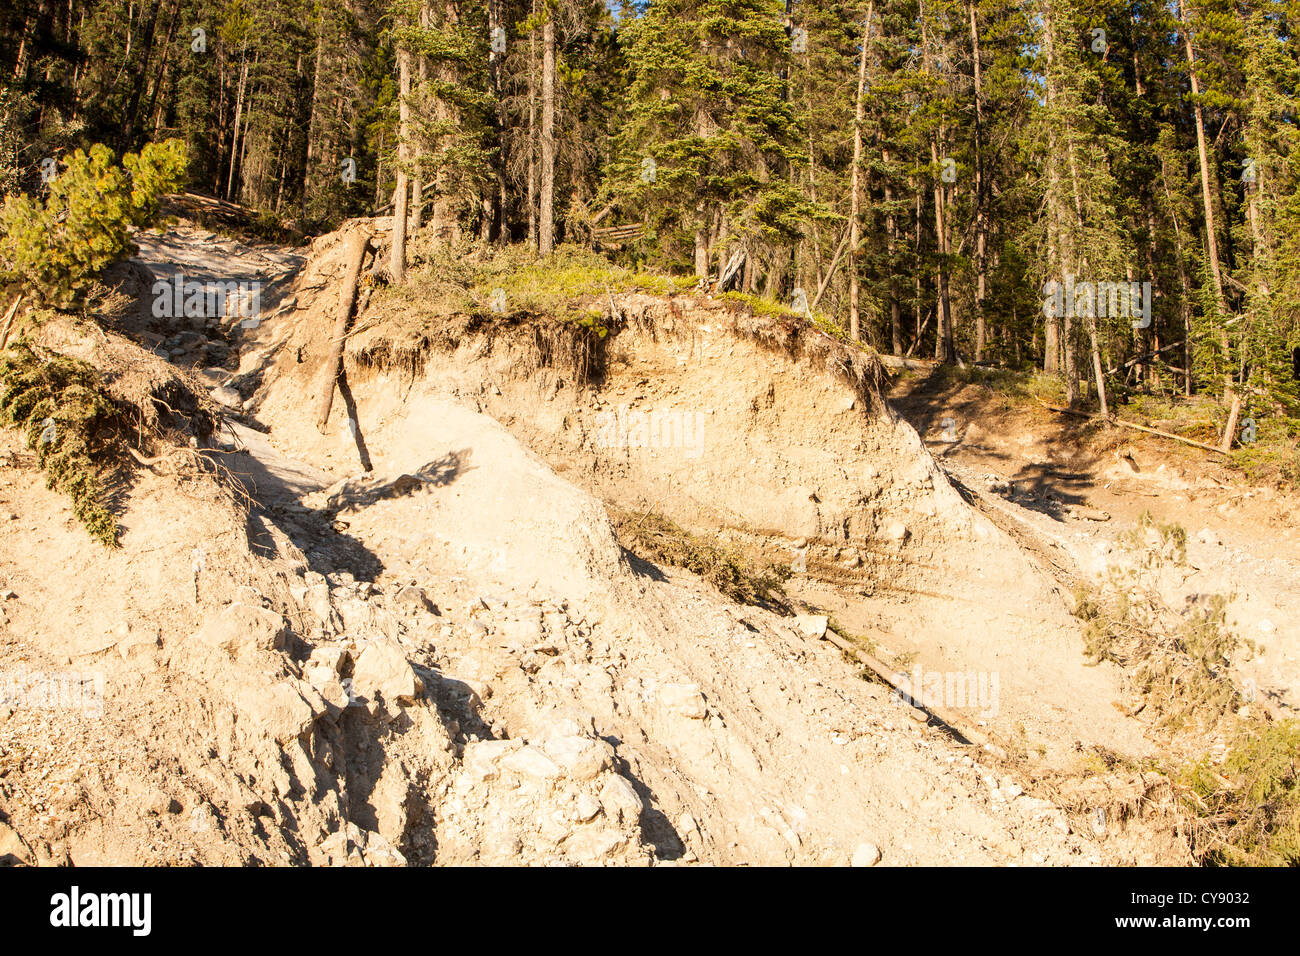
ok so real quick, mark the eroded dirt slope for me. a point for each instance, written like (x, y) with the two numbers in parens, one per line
(449, 658)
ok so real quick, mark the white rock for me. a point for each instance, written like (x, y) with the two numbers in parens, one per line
(531, 762)
(684, 699)
(383, 669)
(241, 629)
(225, 395)
(483, 756)
(581, 757)
(895, 531)
(587, 808)
(867, 854)
(279, 712)
(620, 800)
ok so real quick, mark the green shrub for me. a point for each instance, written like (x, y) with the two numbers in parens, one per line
(54, 249)
(67, 419)
(1249, 809)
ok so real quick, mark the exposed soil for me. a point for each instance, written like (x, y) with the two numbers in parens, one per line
(416, 638)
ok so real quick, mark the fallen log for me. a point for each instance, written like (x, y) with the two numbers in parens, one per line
(877, 667)
(9, 320)
(1141, 428)
(358, 245)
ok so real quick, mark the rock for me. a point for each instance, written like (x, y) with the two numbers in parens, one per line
(581, 757)
(279, 712)
(135, 643)
(867, 854)
(1208, 536)
(382, 669)
(587, 808)
(330, 656)
(413, 597)
(227, 396)
(531, 762)
(812, 625)
(213, 377)
(241, 630)
(482, 756)
(684, 699)
(620, 800)
(522, 633)
(13, 849)
(895, 531)
(590, 846)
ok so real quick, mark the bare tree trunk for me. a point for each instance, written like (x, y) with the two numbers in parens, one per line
(310, 174)
(546, 214)
(891, 240)
(397, 257)
(239, 111)
(532, 134)
(981, 217)
(417, 182)
(358, 243)
(1211, 237)
(855, 200)
(943, 343)
(494, 209)
(444, 218)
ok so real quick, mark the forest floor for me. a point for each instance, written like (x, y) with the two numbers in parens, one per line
(464, 664)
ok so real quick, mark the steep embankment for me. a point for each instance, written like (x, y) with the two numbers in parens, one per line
(769, 431)
(451, 659)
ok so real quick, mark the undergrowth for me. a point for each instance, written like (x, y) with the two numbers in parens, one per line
(1244, 806)
(658, 539)
(68, 419)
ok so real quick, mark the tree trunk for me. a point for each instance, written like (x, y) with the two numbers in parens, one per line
(239, 112)
(855, 226)
(358, 243)
(397, 257)
(891, 245)
(546, 212)
(981, 216)
(1211, 237)
(417, 181)
(532, 134)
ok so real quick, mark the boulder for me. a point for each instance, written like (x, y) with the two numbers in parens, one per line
(241, 630)
(382, 670)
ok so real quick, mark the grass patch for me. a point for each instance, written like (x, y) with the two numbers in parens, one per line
(660, 540)
(572, 284)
